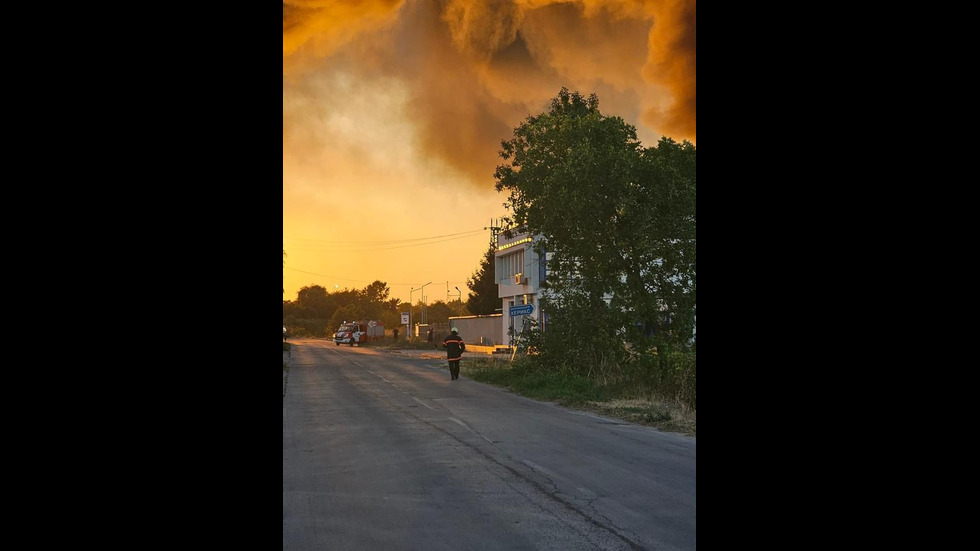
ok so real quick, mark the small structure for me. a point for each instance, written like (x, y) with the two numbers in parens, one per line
(480, 330)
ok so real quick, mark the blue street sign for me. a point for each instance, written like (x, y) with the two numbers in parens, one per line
(524, 310)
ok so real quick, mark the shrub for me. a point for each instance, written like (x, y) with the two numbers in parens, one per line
(672, 377)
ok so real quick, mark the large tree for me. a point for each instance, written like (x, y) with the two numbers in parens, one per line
(618, 222)
(483, 298)
(374, 300)
(317, 310)
(659, 264)
(316, 302)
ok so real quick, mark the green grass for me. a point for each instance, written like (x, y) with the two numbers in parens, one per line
(563, 388)
(625, 400)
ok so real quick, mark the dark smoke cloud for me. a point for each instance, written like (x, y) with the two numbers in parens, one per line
(674, 53)
(474, 69)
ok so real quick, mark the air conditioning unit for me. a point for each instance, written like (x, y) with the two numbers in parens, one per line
(519, 279)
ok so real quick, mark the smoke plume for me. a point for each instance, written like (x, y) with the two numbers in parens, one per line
(466, 72)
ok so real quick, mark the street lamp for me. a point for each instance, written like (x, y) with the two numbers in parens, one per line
(411, 305)
(459, 295)
(422, 288)
(411, 310)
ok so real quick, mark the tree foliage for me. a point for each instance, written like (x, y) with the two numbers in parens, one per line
(316, 302)
(440, 311)
(317, 312)
(619, 224)
(315, 308)
(483, 297)
(349, 312)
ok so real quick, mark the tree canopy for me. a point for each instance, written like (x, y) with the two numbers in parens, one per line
(483, 298)
(318, 312)
(618, 221)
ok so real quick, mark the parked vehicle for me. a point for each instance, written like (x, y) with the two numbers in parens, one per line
(358, 332)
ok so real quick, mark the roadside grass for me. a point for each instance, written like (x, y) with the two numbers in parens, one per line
(625, 400)
(286, 347)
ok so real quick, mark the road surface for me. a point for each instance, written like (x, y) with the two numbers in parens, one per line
(384, 452)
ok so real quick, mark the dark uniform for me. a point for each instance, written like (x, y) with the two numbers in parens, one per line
(454, 352)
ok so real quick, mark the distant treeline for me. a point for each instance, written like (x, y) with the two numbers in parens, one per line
(317, 312)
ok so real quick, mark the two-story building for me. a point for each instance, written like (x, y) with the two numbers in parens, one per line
(519, 273)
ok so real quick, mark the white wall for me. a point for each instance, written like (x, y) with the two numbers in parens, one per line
(471, 328)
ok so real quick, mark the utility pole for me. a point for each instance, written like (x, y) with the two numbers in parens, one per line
(422, 288)
(496, 226)
(411, 309)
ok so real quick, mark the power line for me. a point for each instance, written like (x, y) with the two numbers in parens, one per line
(334, 278)
(372, 249)
(301, 249)
(387, 242)
(346, 279)
(361, 280)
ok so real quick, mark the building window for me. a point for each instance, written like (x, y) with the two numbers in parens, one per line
(511, 265)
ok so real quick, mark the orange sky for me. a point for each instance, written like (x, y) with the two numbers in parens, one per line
(393, 112)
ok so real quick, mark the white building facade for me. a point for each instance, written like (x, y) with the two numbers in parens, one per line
(519, 273)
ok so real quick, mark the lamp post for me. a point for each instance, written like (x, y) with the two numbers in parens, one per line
(411, 311)
(422, 288)
(459, 295)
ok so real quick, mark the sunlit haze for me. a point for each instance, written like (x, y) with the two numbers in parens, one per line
(393, 113)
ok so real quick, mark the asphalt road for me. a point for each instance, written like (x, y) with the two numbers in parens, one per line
(384, 452)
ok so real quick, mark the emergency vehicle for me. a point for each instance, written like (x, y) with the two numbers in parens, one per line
(358, 332)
